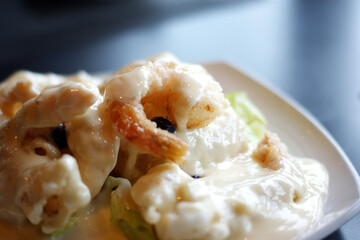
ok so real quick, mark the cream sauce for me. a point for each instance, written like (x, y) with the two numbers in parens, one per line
(223, 138)
(234, 199)
(94, 143)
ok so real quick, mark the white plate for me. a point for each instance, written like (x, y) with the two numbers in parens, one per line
(305, 137)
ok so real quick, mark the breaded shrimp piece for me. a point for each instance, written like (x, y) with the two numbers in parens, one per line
(54, 106)
(25, 85)
(22, 86)
(42, 183)
(162, 87)
(145, 134)
(96, 154)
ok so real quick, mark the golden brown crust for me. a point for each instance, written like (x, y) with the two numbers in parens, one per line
(134, 126)
(270, 151)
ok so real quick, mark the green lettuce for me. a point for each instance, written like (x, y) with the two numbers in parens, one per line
(72, 221)
(124, 212)
(250, 114)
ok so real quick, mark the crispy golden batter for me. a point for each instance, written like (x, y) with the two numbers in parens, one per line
(162, 87)
(134, 126)
(270, 151)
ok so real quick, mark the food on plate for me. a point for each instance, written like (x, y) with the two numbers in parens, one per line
(155, 151)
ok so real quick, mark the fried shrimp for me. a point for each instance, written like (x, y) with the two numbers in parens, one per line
(162, 87)
(43, 184)
(25, 85)
(145, 134)
(22, 86)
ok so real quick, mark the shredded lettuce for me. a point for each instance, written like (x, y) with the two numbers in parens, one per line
(72, 221)
(125, 213)
(246, 110)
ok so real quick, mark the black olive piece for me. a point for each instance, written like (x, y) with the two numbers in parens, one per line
(196, 176)
(58, 134)
(164, 124)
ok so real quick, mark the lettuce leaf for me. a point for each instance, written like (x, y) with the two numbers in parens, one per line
(72, 221)
(125, 213)
(250, 114)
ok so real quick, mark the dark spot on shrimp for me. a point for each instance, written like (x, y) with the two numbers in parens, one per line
(58, 135)
(207, 108)
(164, 124)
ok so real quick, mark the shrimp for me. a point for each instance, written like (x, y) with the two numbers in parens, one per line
(21, 87)
(40, 181)
(162, 87)
(25, 85)
(54, 106)
(134, 126)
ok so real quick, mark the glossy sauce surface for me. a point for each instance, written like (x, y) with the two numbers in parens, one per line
(235, 196)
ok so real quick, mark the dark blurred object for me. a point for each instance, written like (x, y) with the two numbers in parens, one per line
(37, 29)
(47, 3)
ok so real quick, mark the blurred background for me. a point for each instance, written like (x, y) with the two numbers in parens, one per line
(309, 49)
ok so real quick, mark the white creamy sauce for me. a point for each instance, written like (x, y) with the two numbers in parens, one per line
(235, 196)
(234, 199)
(223, 138)
(94, 142)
